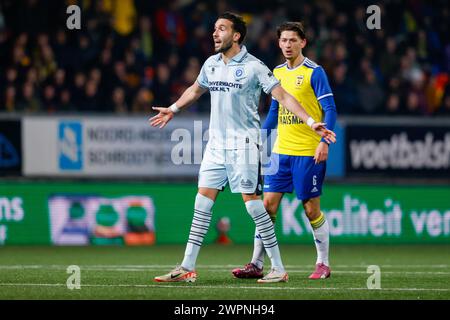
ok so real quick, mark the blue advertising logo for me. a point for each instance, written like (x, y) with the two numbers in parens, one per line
(8, 154)
(70, 146)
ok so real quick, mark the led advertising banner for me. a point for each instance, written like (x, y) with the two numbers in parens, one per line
(99, 147)
(127, 147)
(80, 219)
(400, 150)
(142, 214)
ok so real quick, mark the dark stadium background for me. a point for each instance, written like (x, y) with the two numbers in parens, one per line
(79, 164)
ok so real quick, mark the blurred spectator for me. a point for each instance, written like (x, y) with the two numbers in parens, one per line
(45, 64)
(86, 52)
(342, 90)
(65, 103)
(143, 101)
(389, 58)
(90, 102)
(60, 80)
(393, 104)
(162, 85)
(11, 77)
(120, 74)
(20, 60)
(146, 38)
(170, 26)
(370, 94)
(119, 104)
(78, 89)
(124, 16)
(30, 102)
(49, 99)
(64, 54)
(413, 104)
(10, 99)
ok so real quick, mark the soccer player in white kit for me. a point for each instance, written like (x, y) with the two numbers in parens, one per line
(235, 79)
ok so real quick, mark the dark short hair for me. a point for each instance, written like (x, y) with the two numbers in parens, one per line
(292, 26)
(239, 24)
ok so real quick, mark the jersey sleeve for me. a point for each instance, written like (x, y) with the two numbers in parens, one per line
(202, 79)
(272, 116)
(324, 95)
(265, 77)
(320, 85)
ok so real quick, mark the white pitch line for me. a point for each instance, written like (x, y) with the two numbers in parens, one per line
(206, 266)
(193, 286)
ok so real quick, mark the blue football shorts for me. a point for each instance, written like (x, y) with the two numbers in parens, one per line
(295, 172)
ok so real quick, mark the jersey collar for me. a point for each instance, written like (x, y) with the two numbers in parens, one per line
(238, 57)
(241, 55)
(303, 62)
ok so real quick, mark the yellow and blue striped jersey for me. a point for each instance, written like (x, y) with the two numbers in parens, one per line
(308, 84)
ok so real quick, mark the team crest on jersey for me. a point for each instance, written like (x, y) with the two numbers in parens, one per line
(239, 73)
(298, 81)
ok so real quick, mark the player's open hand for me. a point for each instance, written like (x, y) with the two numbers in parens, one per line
(321, 129)
(162, 118)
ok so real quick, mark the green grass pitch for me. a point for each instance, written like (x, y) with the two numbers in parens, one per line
(407, 272)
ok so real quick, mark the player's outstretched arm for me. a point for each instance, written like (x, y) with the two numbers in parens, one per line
(189, 96)
(296, 108)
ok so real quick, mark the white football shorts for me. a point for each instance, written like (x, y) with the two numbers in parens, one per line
(240, 168)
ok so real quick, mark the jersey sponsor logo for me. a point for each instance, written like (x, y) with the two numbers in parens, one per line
(223, 86)
(239, 73)
(212, 69)
(299, 81)
(287, 117)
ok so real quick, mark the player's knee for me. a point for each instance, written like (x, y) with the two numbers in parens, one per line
(208, 193)
(271, 207)
(312, 213)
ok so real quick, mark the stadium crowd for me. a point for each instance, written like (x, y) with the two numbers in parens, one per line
(132, 54)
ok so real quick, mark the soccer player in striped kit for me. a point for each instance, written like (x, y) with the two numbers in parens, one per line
(235, 79)
(299, 153)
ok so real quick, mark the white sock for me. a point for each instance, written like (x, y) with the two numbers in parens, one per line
(258, 251)
(199, 228)
(321, 233)
(265, 228)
